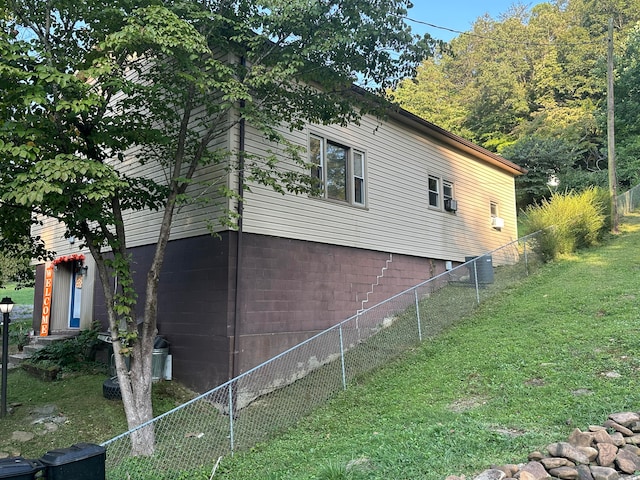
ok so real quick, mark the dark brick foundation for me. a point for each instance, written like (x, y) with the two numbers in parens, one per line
(289, 291)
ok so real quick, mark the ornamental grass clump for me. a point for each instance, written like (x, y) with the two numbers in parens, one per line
(569, 221)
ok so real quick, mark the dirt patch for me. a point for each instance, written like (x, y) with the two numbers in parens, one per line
(464, 404)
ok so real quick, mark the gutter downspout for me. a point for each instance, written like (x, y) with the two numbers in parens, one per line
(235, 352)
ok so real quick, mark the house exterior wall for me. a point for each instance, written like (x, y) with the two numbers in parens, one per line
(305, 263)
(195, 305)
(397, 217)
(289, 291)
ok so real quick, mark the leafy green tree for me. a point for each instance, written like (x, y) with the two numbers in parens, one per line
(546, 159)
(538, 73)
(627, 106)
(433, 96)
(95, 93)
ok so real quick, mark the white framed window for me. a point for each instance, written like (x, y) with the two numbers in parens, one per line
(434, 191)
(447, 190)
(493, 209)
(340, 170)
(441, 195)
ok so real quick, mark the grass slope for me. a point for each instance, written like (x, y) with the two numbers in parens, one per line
(22, 296)
(555, 353)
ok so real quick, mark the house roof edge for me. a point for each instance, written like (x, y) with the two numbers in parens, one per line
(445, 136)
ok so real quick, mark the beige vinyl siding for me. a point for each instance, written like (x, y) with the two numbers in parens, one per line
(142, 228)
(397, 218)
(190, 220)
(52, 234)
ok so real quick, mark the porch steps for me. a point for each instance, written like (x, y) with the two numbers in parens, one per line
(35, 344)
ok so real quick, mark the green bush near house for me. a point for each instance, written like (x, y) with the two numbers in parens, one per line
(75, 354)
(19, 332)
(569, 221)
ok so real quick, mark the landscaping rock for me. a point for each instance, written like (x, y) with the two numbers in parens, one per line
(509, 470)
(556, 462)
(535, 456)
(617, 438)
(527, 476)
(590, 452)
(592, 455)
(632, 448)
(492, 474)
(606, 454)
(585, 472)
(566, 450)
(618, 428)
(627, 461)
(536, 469)
(22, 437)
(580, 439)
(602, 436)
(625, 418)
(565, 473)
(604, 473)
(634, 440)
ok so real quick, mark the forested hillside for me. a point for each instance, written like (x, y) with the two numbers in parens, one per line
(532, 86)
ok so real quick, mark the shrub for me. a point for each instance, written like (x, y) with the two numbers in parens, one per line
(19, 332)
(569, 221)
(73, 354)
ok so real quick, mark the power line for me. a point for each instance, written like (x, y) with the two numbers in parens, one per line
(493, 39)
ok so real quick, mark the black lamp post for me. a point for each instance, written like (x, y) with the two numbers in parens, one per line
(6, 305)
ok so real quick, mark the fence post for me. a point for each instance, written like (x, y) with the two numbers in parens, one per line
(231, 410)
(415, 291)
(475, 275)
(344, 372)
(526, 259)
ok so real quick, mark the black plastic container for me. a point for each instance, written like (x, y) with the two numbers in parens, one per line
(18, 468)
(82, 461)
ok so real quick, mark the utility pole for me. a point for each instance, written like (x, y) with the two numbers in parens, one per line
(611, 146)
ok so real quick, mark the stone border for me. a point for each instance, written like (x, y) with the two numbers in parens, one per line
(610, 451)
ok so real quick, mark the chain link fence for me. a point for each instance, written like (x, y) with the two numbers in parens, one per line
(628, 201)
(190, 440)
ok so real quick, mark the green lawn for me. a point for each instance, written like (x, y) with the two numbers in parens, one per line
(530, 366)
(23, 296)
(557, 352)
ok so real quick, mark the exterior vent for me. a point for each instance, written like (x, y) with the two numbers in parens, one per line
(497, 222)
(450, 205)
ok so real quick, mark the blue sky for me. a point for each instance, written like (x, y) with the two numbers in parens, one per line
(457, 14)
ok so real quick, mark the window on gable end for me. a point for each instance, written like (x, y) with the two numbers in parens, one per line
(493, 209)
(434, 191)
(447, 190)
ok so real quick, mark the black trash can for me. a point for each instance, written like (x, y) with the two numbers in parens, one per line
(18, 468)
(82, 461)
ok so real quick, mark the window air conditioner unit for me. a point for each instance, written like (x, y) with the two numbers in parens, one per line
(497, 222)
(450, 205)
